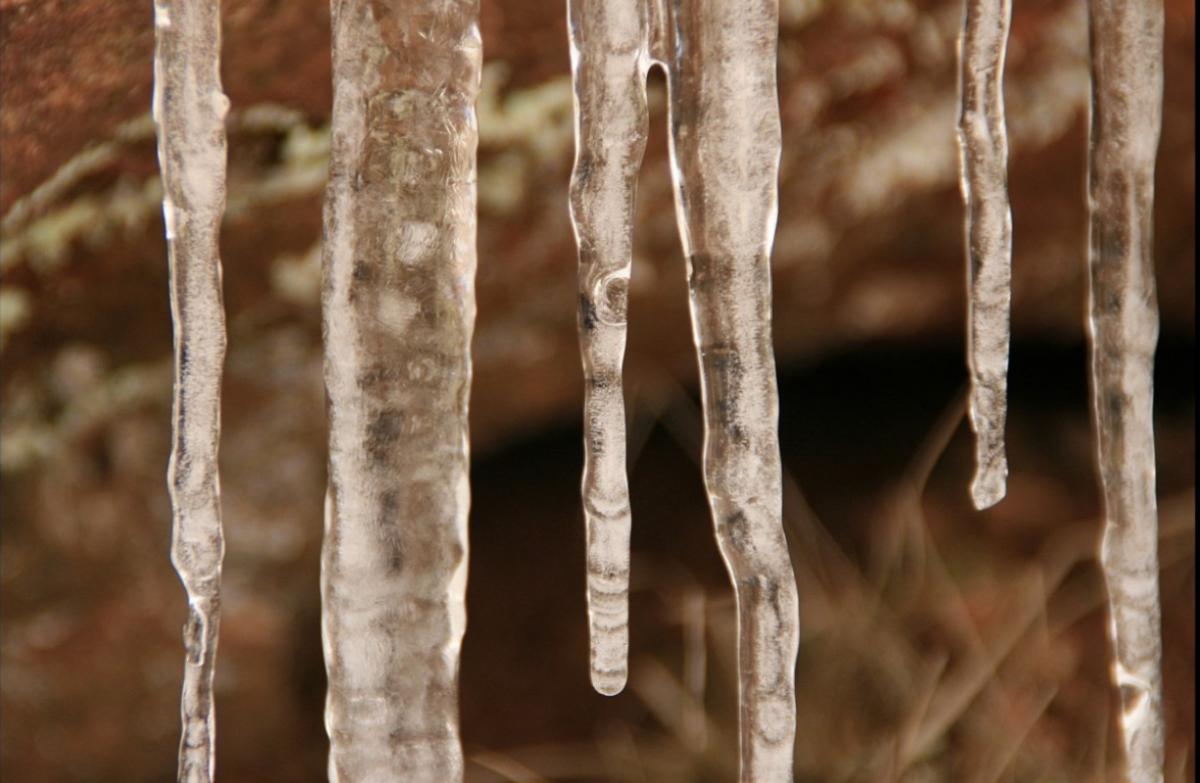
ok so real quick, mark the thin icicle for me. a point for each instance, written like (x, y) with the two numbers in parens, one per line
(1126, 119)
(399, 310)
(983, 157)
(725, 148)
(189, 109)
(609, 70)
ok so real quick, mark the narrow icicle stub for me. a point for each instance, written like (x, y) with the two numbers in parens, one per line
(1126, 120)
(983, 159)
(189, 111)
(608, 56)
(398, 298)
(725, 141)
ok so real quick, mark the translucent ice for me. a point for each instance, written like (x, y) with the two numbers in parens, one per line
(610, 130)
(720, 60)
(189, 109)
(983, 157)
(399, 309)
(1126, 119)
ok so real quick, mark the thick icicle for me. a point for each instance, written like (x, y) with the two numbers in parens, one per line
(983, 157)
(399, 310)
(189, 109)
(1126, 118)
(725, 148)
(609, 70)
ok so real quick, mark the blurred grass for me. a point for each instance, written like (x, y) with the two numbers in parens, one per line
(938, 643)
(934, 648)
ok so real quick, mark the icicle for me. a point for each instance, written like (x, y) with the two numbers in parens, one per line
(725, 147)
(189, 109)
(1126, 118)
(720, 60)
(399, 310)
(983, 156)
(609, 68)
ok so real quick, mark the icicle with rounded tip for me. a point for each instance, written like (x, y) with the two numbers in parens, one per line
(398, 301)
(983, 159)
(1126, 120)
(189, 110)
(609, 72)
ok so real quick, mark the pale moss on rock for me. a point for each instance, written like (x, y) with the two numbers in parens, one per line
(297, 278)
(14, 312)
(538, 119)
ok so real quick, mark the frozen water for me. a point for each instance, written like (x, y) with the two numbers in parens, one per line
(1126, 119)
(609, 67)
(398, 297)
(983, 157)
(725, 148)
(189, 109)
(720, 60)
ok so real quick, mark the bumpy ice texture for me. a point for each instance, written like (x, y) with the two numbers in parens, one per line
(189, 110)
(398, 296)
(983, 156)
(720, 60)
(1126, 119)
(609, 67)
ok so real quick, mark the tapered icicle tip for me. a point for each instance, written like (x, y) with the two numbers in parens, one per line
(986, 410)
(990, 483)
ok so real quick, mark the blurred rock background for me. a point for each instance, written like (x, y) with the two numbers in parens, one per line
(940, 643)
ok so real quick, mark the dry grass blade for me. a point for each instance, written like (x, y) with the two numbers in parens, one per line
(1002, 754)
(695, 669)
(830, 585)
(671, 704)
(553, 762)
(619, 752)
(508, 768)
(926, 689)
(958, 690)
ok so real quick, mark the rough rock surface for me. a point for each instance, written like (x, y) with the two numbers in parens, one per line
(869, 242)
